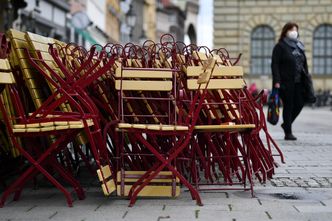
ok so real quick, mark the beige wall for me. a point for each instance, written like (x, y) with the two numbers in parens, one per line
(235, 19)
(150, 19)
(112, 23)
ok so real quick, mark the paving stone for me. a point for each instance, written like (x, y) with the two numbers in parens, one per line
(301, 189)
(314, 209)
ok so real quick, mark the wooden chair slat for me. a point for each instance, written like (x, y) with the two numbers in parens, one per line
(143, 73)
(137, 85)
(218, 71)
(217, 84)
(4, 65)
(168, 189)
(223, 128)
(7, 78)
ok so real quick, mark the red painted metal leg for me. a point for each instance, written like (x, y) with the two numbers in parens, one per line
(165, 163)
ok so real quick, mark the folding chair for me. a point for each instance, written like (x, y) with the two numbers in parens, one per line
(216, 129)
(50, 112)
(134, 79)
(33, 87)
(239, 118)
(79, 73)
(61, 127)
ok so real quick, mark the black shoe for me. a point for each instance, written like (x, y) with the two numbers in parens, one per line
(290, 137)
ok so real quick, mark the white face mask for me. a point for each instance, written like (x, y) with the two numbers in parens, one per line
(292, 34)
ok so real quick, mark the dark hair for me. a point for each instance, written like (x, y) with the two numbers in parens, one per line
(288, 26)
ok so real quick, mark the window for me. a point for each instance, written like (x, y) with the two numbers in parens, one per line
(322, 50)
(46, 10)
(262, 42)
(59, 16)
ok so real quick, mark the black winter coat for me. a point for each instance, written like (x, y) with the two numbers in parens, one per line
(284, 67)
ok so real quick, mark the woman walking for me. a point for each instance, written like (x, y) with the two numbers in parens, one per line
(290, 74)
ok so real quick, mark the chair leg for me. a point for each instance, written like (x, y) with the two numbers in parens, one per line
(56, 184)
(36, 165)
(85, 159)
(165, 163)
(19, 189)
(70, 179)
(247, 163)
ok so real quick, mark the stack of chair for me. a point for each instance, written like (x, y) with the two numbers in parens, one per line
(9, 155)
(56, 121)
(143, 118)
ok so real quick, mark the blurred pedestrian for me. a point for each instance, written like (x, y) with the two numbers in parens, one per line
(290, 75)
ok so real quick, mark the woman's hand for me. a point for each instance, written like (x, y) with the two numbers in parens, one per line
(277, 85)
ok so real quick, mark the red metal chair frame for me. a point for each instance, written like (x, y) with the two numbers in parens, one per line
(47, 156)
(78, 78)
(184, 138)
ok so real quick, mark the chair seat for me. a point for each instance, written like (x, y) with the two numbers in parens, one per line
(157, 127)
(165, 184)
(104, 175)
(50, 126)
(223, 127)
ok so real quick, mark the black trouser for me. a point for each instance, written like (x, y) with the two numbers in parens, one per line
(293, 102)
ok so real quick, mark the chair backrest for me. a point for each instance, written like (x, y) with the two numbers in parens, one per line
(7, 109)
(31, 51)
(6, 75)
(19, 60)
(40, 44)
(145, 86)
(223, 77)
(223, 80)
(11, 106)
(131, 79)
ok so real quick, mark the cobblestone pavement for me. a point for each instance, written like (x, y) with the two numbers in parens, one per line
(301, 189)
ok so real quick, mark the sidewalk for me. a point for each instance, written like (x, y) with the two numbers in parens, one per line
(301, 189)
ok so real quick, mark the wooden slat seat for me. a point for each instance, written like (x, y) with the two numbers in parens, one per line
(49, 115)
(223, 127)
(105, 174)
(218, 71)
(156, 127)
(135, 79)
(216, 82)
(6, 78)
(131, 85)
(49, 126)
(143, 73)
(4, 65)
(163, 185)
(222, 78)
(20, 59)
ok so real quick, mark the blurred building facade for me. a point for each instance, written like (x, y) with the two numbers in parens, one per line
(88, 22)
(44, 17)
(104, 21)
(191, 9)
(113, 20)
(252, 27)
(145, 20)
(170, 19)
(178, 18)
(96, 21)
